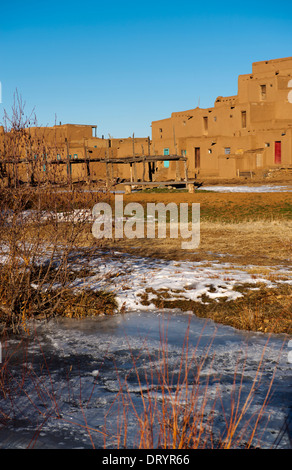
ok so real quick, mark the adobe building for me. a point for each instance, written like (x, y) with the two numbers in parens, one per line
(67, 153)
(245, 134)
(242, 135)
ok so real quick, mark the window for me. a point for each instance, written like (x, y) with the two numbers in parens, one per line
(263, 89)
(75, 155)
(243, 119)
(58, 156)
(227, 150)
(184, 153)
(93, 131)
(205, 123)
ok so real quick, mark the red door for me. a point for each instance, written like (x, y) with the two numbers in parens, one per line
(278, 152)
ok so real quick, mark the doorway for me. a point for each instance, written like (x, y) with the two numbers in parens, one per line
(278, 152)
(166, 153)
(197, 157)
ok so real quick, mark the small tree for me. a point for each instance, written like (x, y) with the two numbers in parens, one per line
(40, 228)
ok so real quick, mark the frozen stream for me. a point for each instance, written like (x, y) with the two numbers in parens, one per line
(74, 376)
(88, 360)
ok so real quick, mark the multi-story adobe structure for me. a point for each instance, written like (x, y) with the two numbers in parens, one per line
(243, 134)
(66, 152)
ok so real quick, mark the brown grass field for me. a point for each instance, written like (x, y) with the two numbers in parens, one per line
(246, 228)
(251, 230)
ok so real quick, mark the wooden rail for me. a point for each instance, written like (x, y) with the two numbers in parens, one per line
(190, 185)
(130, 160)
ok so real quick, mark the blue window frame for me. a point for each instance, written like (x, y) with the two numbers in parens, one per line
(166, 162)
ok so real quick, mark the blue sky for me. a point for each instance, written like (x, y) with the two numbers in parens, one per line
(122, 64)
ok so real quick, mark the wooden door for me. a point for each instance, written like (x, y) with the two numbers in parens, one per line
(197, 157)
(278, 152)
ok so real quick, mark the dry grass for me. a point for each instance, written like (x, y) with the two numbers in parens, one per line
(257, 243)
(36, 245)
(87, 304)
(261, 308)
(246, 228)
(254, 243)
(251, 230)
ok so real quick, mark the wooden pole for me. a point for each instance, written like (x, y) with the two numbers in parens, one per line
(135, 171)
(149, 164)
(87, 164)
(133, 145)
(107, 175)
(143, 177)
(177, 167)
(69, 169)
(186, 170)
(106, 165)
(149, 171)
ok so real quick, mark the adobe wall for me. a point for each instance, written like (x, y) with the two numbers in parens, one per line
(240, 133)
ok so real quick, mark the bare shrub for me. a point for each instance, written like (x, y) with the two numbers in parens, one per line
(40, 226)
